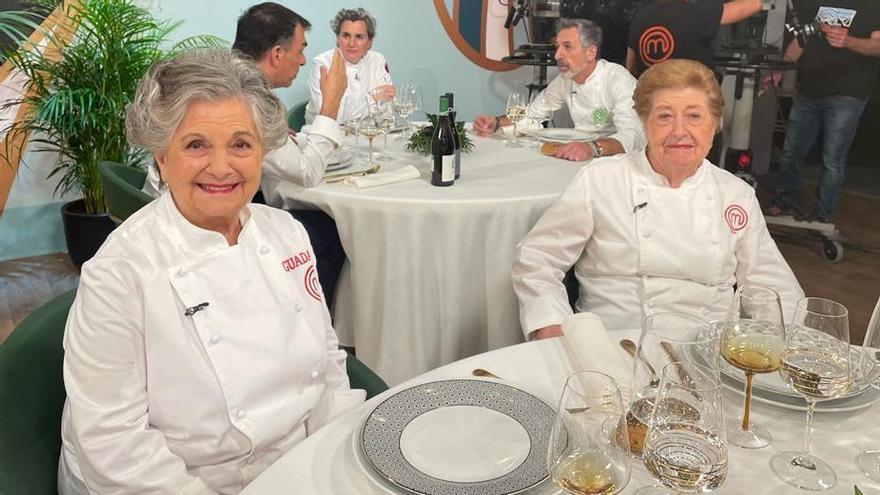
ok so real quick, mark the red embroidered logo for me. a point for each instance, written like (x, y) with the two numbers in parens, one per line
(656, 45)
(313, 287)
(296, 261)
(736, 218)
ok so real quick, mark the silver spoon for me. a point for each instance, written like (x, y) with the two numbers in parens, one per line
(329, 179)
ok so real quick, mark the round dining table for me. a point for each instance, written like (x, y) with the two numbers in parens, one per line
(326, 463)
(427, 280)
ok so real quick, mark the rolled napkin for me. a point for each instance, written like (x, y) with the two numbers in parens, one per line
(591, 348)
(405, 173)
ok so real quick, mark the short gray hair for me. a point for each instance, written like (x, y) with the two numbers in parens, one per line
(169, 87)
(588, 31)
(354, 15)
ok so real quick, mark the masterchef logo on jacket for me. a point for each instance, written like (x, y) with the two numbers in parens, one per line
(296, 261)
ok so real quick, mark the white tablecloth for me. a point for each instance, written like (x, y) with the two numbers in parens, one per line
(428, 277)
(325, 464)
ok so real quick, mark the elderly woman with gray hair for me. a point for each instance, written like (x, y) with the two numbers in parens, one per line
(198, 349)
(367, 71)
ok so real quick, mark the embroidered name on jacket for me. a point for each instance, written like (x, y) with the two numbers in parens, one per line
(296, 261)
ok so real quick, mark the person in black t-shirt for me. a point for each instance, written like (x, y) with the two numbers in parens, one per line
(836, 72)
(681, 29)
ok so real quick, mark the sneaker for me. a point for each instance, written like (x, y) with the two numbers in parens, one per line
(817, 216)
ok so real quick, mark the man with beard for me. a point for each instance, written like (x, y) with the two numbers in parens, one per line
(597, 93)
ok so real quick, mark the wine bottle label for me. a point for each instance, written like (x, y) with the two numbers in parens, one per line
(447, 170)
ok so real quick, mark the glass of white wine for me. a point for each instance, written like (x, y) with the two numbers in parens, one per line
(589, 451)
(666, 337)
(516, 111)
(382, 113)
(869, 364)
(686, 448)
(752, 340)
(815, 363)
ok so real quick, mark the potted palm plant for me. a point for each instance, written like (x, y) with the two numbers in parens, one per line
(79, 81)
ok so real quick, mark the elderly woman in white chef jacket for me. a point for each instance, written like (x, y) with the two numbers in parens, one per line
(659, 229)
(199, 349)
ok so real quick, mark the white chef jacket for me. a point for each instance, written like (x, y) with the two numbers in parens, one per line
(297, 164)
(602, 106)
(161, 402)
(640, 246)
(370, 72)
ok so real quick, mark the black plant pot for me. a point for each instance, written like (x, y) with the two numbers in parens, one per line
(83, 233)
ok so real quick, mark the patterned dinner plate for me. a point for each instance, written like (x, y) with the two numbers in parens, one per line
(461, 437)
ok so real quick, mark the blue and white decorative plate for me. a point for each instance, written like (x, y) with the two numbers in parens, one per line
(459, 437)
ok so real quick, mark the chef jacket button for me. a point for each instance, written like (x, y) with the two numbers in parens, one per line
(264, 250)
(705, 311)
(250, 459)
(240, 414)
(646, 234)
(215, 338)
(714, 242)
(709, 197)
(299, 307)
(315, 374)
(180, 273)
(641, 189)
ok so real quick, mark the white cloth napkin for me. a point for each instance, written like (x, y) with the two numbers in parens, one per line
(591, 348)
(405, 173)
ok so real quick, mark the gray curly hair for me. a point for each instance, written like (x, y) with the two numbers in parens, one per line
(354, 15)
(169, 87)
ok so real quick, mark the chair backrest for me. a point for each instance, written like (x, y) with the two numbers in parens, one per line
(360, 376)
(122, 188)
(31, 400)
(296, 117)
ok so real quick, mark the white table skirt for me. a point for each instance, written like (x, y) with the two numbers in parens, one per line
(324, 463)
(428, 275)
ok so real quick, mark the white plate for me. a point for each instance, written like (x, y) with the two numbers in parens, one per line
(340, 159)
(453, 436)
(560, 135)
(772, 383)
(851, 403)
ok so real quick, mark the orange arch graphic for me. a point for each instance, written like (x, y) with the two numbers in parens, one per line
(451, 28)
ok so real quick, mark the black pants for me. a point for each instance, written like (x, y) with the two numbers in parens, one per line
(329, 254)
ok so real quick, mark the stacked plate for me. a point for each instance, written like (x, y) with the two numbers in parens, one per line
(340, 159)
(462, 437)
(770, 388)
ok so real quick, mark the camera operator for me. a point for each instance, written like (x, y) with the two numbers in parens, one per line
(681, 29)
(836, 73)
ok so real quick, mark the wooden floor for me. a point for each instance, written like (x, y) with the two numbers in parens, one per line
(26, 283)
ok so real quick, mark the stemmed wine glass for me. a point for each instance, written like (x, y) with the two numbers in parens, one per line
(589, 450)
(516, 111)
(815, 363)
(685, 448)
(370, 128)
(869, 365)
(666, 337)
(752, 340)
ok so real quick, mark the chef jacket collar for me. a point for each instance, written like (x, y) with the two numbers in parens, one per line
(600, 66)
(649, 176)
(197, 239)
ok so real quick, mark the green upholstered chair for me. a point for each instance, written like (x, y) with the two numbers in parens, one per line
(360, 376)
(122, 189)
(296, 117)
(31, 400)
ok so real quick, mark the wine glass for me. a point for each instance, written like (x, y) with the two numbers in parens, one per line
(666, 337)
(589, 451)
(516, 111)
(815, 363)
(402, 104)
(685, 448)
(869, 364)
(370, 128)
(752, 340)
(382, 113)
